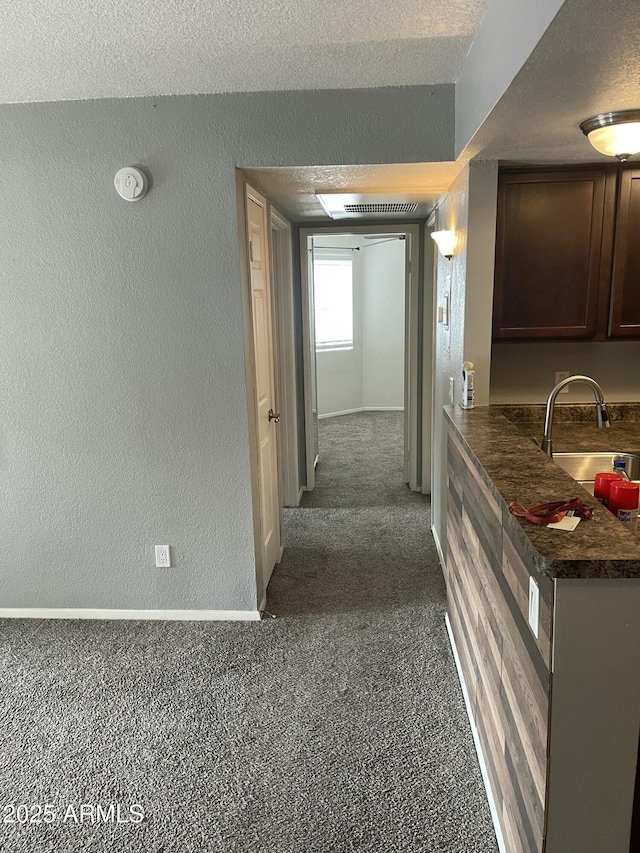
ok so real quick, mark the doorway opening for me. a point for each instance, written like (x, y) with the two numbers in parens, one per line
(358, 285)
(295, 411)
(366, 358)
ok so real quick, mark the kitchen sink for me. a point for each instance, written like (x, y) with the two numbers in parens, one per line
(584, 466)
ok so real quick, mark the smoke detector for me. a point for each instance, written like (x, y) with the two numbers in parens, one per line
(369, 205)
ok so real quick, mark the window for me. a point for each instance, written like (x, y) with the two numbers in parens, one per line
(333, 303)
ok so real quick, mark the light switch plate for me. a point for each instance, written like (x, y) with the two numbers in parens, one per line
(534, 607)
(452, 389)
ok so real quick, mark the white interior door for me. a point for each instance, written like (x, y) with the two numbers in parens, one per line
(266, 411)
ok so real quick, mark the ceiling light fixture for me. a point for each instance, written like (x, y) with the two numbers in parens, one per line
(447, 241)
(616, 134)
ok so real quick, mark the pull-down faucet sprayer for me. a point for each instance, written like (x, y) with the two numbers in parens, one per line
(601, 408)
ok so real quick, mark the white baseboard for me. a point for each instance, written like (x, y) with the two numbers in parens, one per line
(337, 414)
(96, 613)
(443, 565)
(362, 409)
(293, 504)
(476, 740)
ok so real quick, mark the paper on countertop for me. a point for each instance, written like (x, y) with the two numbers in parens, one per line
(569, 522)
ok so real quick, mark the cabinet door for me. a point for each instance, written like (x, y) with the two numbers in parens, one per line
(625, 292)
(553, 254)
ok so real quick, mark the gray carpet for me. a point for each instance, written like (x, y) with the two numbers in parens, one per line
(361, 463)
(339, 726)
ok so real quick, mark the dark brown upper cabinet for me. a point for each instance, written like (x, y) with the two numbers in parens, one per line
(553, 254)
(625, 288)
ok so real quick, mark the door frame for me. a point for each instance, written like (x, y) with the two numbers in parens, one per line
(285, 346)
(417, 432)
(429, 314)
(308, 362)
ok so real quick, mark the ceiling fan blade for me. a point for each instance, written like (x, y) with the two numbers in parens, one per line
(384, 236)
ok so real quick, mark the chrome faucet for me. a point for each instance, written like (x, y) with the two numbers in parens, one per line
(601, 409)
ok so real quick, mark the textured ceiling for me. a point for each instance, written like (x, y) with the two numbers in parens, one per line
(588, 62)
(75, 49)
(292, 191)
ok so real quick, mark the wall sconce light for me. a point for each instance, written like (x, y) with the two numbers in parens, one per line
(446, 241)
(616, 134)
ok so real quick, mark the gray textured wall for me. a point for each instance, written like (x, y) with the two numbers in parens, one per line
(470, 209)
(122, 385)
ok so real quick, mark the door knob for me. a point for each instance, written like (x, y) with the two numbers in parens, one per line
(273, 416)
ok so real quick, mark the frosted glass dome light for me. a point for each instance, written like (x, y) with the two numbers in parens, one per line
(447, 241)
(616, 134)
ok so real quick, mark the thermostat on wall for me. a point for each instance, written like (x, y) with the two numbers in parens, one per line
(131, 184)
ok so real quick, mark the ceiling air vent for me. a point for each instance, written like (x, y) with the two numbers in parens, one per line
(388, 207)
(367, 205)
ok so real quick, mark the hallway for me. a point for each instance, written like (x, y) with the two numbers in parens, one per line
(339, 726)
(381, 727)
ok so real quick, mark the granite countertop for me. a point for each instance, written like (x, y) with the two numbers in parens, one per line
(515, 469)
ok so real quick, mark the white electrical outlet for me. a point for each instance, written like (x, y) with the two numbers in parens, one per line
(560, 375)
(452, 389)
(534, 606)
(163, 557)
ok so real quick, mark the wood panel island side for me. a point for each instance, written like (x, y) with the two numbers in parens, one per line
(556, 717)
